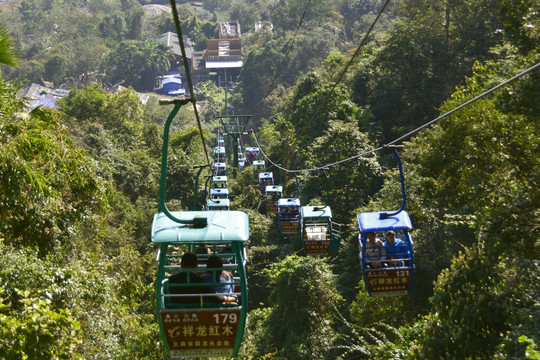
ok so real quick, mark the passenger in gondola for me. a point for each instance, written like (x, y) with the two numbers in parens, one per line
(375, 251)
(394, 249)
(190, 261)
(293, 213)
(202, 250)
(223, 277)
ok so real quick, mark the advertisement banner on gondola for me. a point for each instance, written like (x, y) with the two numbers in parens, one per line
(389, 282)
(200, 332)
(317, 247)
(289, 227)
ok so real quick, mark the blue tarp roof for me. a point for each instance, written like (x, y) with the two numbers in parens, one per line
(45, 100)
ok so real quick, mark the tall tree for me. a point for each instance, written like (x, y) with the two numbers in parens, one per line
(302, 302)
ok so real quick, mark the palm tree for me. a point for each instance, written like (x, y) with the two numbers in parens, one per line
(158, 60)
(7, 55)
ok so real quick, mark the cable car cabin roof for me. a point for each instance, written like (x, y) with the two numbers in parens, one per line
(266, 175)
(222, 178)
(212, 203)
(219, 150)
(251, 149)
(289, 202)
(222, 226)
(274, 188)
(258, 163)
(219, 191)
(219, 165)
(320, 212)
(371, 222)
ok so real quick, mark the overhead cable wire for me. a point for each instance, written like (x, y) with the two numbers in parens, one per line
(280, 68)
(188, 77)
(409, 134)
(346, 68)
(504, 83)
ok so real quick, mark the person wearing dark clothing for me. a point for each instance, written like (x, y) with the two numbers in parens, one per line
(190, 261)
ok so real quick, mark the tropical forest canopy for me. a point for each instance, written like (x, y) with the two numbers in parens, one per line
(79, 184)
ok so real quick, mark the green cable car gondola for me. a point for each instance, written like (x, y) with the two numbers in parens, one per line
(319, 236)
(258, 167)
(195, 318)
(200, 328)
(219, 182)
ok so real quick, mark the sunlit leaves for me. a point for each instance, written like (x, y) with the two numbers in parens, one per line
(47, 183)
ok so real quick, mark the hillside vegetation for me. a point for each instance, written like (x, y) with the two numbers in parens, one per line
(79, 184)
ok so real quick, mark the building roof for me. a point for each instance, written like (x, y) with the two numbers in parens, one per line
(154, 10)
(45, 100)
(38, 95)
(171, 39)
(229, 30)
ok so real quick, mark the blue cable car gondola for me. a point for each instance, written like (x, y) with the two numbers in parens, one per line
(219, 193)
(191, 323)
(219, 169)
(273, 194)
(219, 154)
(391, 276)
(387, 270)
(265, 179)
(289, 215)
(241, 163)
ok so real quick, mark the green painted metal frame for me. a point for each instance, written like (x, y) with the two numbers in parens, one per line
(320, 214)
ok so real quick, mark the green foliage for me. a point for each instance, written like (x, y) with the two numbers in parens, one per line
(350, 183)
(415, 70)
(76, 311)
(47, 183)
(521, 23)
(302, 301)
(246, 14)
(7, 54)
(136, 62)
(367, 311)
(470, 308)
(31, 329)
